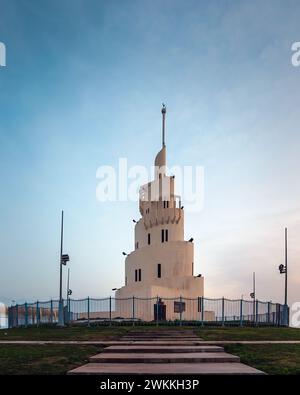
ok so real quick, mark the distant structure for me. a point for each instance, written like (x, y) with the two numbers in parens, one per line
(162, 262)
(3, 316)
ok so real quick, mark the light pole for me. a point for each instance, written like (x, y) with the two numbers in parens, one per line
(63, 259)
(283, 269)
(252, 295)
(69, 293)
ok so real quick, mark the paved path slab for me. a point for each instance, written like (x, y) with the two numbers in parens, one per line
(157, 354)
(162, 349)
(166, 369)
(187, 357)
(169, 339)
(107, 343)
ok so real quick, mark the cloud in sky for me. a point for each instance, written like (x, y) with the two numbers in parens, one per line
(83, 86)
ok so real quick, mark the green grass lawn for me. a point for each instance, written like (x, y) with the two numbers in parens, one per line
(248, 333)
(53, 359)
(114, 332)
(280, 359)
(65, 333)
(43, 359)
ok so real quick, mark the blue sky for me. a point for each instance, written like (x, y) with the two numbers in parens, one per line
(83, 87)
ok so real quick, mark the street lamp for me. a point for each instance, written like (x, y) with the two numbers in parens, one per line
(253, 296)
(64, 258)
(283, 269)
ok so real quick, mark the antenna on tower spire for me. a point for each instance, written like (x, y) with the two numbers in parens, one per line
(163, 111)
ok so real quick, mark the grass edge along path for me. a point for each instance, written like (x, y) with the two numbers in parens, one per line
(248, 333)
(38, 360)
(274, 359)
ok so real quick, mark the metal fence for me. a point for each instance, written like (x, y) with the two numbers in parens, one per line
(135, 311)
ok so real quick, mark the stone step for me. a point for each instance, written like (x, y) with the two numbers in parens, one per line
(159, 338)
(131, 357)
(160, 330)
(162, 338)
(162, 349)
(226, 368)
(160, 343)
(158, 333)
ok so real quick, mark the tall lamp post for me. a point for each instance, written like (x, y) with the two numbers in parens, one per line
(253, 296)
(283, 269)
(64, 258)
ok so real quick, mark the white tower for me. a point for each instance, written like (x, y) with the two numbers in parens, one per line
(162, 262)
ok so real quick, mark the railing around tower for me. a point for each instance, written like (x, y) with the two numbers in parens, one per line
(158, 310)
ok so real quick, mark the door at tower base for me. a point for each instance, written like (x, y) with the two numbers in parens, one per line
(170, 303)
(157, 308)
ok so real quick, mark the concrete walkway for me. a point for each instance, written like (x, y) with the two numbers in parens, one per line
(163, 352)
(157, 343)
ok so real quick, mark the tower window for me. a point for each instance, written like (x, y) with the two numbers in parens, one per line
(136, 275)
(140, 274)
(149, 238)
(137, 245)
(164, 235)
(159, 270)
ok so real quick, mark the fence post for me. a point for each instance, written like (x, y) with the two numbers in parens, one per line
(202, 310)
(278, 310)
(9, 317)
(256, 312)
(133, 312)
(88, 310)
(180, 310)
(157, 300)
(37, 313)
(110, 311)
(223, 308)
(26, 314)
(17, 315)
(51, 311)
(269, 309)
(241, 313)
(287, 312)
(69, 309)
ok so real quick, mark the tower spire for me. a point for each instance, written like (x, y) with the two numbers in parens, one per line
(163, 111)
